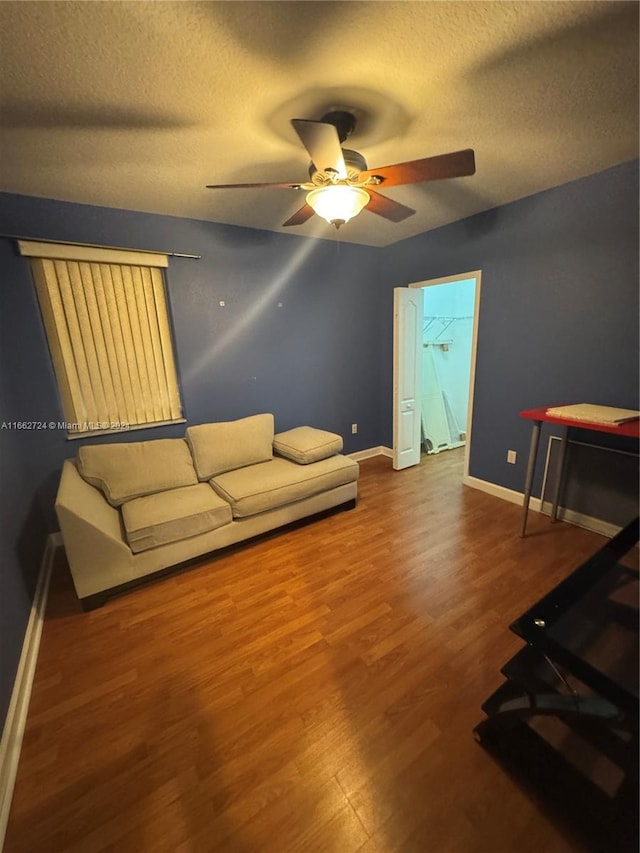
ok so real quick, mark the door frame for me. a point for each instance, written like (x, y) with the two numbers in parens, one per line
(477, 275)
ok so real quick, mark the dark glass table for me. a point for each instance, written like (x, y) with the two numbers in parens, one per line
(566, 715)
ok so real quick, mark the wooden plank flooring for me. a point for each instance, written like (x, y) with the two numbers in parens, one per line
(315, 691)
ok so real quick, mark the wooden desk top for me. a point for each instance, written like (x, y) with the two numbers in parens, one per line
(630, 429)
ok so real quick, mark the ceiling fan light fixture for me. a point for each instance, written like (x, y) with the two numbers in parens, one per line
(338, 204)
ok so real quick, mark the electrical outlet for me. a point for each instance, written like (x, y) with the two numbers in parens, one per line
(511, 457)
(354, 429)
(221, 303)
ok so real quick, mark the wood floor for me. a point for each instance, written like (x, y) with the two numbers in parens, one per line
(315, 691)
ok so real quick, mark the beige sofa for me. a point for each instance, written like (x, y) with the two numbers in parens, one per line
(127, 511)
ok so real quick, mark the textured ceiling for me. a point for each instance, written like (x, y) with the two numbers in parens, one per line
(138, 105)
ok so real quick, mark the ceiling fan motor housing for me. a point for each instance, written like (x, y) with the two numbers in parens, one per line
(353, 160)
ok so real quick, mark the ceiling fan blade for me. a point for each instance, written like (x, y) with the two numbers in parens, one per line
(281, 186)
(323, 144)
(386, 207)
(300, 216)
(454, 165)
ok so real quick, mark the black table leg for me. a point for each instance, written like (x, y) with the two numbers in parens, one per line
(531, 465)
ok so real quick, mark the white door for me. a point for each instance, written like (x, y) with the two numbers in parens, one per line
(407, 364)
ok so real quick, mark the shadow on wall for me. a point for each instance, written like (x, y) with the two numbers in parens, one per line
(455, 196)
(30, 544)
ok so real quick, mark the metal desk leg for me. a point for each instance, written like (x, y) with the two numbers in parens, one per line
(531, 464)
(559, 473)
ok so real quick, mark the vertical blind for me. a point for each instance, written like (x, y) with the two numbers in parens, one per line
(106, 320)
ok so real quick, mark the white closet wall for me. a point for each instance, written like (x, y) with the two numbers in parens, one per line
(447, 342)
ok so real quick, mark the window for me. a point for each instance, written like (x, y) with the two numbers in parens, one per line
(105, 315)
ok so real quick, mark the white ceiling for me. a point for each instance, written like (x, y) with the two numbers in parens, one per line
(138, 105)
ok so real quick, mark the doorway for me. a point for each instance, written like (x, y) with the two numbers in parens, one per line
(448, 355)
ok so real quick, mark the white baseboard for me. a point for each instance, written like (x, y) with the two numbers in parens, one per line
(14, 726)
(380, 450)
(501, 492)
(596, 525)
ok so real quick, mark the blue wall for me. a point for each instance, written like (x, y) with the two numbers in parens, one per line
(22, 525)
(22, 539)
(558, 319)
(558, 323)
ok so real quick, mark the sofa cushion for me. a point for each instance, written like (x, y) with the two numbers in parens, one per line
(173, 515)
(228, 445)
(262, 487)
(126, 471)
(307, 444)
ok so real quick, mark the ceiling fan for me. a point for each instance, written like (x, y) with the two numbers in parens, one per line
(340, 185)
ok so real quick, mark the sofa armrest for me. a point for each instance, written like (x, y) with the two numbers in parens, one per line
(92, 532)
(87, 503)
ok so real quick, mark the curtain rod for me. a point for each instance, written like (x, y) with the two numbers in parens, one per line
(96, 246)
